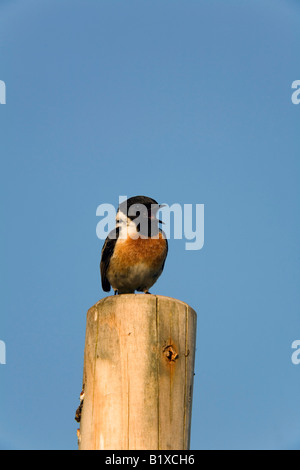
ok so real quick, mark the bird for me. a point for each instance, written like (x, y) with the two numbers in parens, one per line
(134, 253)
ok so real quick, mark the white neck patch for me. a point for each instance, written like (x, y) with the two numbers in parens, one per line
(127, 226)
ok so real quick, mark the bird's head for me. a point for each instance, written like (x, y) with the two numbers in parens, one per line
(138, 215)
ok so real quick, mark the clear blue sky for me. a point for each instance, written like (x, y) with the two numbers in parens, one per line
(184, 101)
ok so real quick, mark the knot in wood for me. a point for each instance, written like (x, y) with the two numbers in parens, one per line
(170, 353)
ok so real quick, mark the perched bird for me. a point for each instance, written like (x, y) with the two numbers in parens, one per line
(134, 253)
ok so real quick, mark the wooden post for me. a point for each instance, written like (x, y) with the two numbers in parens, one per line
(138, 374)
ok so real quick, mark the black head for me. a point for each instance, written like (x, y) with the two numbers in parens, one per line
(139, 205)
(142, 208)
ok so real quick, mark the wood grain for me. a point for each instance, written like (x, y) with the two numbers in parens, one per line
(138, 374)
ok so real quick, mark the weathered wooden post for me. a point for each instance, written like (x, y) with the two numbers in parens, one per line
(138, 374)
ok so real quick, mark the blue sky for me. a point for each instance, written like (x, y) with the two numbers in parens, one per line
(188, 102)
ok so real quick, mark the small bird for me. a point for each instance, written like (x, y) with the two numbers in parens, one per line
(134, 253)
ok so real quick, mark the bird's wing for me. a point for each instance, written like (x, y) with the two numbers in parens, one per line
(107, 252)
(167, 248)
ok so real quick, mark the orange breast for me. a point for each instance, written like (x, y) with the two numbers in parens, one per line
(151, 251)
